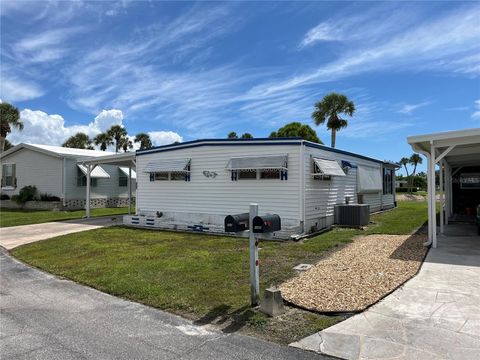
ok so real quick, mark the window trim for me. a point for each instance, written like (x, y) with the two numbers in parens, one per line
(387, 181)
(12, 186)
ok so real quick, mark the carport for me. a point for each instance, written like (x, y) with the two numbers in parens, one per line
(457, 155)
(126, 163)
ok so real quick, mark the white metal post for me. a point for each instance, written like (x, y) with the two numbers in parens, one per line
(433, 197)
(87, 201)
(254, 264)
(442, 216)
(129, 190)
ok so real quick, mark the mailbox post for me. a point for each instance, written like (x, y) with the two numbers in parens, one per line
(254, 264)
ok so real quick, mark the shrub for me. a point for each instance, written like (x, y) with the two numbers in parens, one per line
(406, 189)
(4, 197)
(49, 197)
(27, 193)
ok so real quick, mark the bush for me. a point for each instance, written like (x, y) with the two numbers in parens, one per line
(4, 197)
(27, 193)
(405, 189)
(49, 197)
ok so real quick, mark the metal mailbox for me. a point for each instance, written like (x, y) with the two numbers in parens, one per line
(236, 223)
(266, 223)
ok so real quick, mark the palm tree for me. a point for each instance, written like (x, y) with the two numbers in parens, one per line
(79, 141)
(104, 140)
(415, 159)
(329, 109)
(8, 145)
(117, 132)
(232, 135)
(246, 136)
(405, 161)
(144, 140)
(126, 144)
(9, 117)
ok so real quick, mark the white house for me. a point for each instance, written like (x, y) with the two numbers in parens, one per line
(194, 185)
(60, 171)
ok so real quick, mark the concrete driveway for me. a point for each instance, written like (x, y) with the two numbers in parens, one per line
(43, 317)
(13, 236)
(435, 315)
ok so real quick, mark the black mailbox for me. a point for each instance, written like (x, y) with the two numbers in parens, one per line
(266, 223)
(236, 223)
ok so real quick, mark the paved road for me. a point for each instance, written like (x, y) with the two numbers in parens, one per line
(11, 237)
(43, 317)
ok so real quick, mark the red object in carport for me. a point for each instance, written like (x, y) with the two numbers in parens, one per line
(470, 211)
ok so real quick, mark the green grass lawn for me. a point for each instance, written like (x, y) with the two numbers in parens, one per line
(10, 217)
(201, 276)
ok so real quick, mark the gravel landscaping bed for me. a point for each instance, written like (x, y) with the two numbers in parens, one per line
(358, 275)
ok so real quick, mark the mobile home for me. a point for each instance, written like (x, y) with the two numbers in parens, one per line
(59, 171)
(194, 185)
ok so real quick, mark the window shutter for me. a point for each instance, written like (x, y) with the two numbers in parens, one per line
(14, 174)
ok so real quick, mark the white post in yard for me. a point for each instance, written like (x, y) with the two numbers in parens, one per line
(87, 201)
(433, 197)
(254, 264)
(442, 216)
(129, 190)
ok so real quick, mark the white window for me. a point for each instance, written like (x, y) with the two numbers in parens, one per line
(9, 175)
(265, 167)
(82, 179)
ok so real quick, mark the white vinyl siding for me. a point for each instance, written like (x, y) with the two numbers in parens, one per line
(35, 168)
(219, 195)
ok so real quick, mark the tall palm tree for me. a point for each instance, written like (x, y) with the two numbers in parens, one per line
(405, 161)
(415, 159)
(9, 117)
(117, 132)
(144, 140)
(104, 140)
(329, 109)
(79, 141)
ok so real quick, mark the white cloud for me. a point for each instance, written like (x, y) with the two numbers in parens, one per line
(476, 113)
(13, 89)
(164, 137)
(43, 128)
(409, 108)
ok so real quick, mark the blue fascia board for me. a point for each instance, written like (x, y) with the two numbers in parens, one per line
(248, 142)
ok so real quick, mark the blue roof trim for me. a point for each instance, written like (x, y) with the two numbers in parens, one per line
(326, 148)
(221, 142)
(246, 142)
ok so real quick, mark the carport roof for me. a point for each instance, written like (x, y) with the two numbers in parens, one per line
(461, 147)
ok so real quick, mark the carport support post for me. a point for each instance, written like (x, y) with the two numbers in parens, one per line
(432, 197)
(87, 202)
(442, 216)
(254, 264)
(129, 190)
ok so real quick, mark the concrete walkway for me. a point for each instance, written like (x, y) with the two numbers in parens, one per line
(435, 315)
(43, 317)
(13, 236)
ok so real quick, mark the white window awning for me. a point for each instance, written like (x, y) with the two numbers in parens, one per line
(369, 179)
(97, 173)
(277, 162)
(178, 165)
(328, 167)
(125, 171)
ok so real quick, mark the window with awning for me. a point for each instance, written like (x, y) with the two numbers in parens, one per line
(97, 173)
(369, 179)
(124, 171)
(325, 167)
(258, 167)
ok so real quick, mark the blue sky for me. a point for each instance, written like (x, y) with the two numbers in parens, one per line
(188, 70)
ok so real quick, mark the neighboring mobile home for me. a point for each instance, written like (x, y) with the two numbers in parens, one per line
(59, 171)
(194, 185)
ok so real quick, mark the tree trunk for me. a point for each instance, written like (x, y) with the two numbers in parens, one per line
(2, 143)
(334, 136)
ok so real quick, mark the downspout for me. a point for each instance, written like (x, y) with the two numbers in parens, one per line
(427, 155)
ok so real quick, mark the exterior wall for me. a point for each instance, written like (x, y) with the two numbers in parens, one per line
(35, 168)
(105, 189)
(207, 200)
(321, 196)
